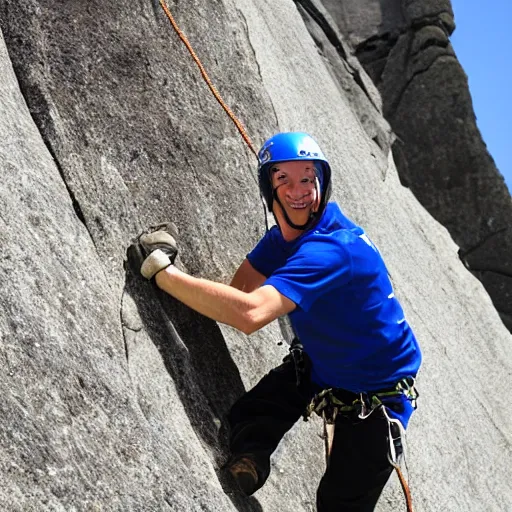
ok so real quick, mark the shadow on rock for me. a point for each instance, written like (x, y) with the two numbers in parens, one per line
(196, 356)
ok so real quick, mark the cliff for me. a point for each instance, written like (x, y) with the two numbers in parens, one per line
(113, 396)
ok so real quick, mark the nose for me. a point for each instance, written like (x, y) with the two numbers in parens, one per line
(295, 191)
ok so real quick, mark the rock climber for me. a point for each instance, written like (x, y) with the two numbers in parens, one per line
(354, 358)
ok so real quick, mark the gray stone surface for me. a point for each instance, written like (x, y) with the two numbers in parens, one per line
(439, 152)
(77, 431)
(114, 396)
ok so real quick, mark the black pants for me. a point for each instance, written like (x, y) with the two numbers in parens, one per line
(358, 467)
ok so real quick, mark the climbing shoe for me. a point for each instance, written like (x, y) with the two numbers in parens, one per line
(244, 472)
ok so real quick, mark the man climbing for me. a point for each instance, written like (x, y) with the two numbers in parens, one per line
(354, 357)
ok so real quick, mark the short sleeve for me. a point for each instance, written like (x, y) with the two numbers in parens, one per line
(318, 267)
(267, 255)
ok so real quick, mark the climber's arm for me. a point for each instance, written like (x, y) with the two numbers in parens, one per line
(247, 312)
(247, 278)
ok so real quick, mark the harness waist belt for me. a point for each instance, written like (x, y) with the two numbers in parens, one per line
(349, 397)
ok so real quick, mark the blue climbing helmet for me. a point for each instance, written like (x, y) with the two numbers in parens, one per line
(293, 146)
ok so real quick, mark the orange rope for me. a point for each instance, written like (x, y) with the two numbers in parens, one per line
(218, 97)
(405, 488)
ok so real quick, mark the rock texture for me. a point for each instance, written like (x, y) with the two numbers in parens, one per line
(114, 397)
(439, 152)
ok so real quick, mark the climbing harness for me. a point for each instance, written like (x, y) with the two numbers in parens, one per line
(326, 403)
(328, 406)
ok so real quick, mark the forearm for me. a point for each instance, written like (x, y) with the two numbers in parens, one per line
(217, 301)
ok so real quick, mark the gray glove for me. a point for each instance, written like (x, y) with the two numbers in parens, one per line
(153, 250)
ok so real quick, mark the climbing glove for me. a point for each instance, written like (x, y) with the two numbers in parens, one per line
(153, 250)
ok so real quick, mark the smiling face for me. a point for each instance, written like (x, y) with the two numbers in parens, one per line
(297, 189)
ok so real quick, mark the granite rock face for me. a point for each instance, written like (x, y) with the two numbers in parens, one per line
(114, 397)
(439, 152)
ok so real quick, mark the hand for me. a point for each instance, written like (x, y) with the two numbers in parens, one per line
(153, 250)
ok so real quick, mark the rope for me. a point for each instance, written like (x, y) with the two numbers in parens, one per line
(392, 455)
(405, 487)
(206, 78)
(215, 92)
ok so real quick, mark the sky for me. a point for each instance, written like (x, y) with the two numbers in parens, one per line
(484, 48)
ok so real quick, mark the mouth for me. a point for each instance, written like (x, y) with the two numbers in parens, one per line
(299, 205)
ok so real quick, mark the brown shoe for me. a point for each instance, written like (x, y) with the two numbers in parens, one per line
(243, 470)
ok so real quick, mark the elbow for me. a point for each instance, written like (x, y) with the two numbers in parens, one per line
(250, 322)
(247, 326)
(247, 330)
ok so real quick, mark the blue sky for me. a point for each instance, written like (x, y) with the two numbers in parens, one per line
(483, 46)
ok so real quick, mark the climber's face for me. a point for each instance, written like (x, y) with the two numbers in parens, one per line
(297, 189)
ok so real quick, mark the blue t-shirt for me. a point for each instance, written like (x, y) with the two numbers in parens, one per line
(347, 317)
